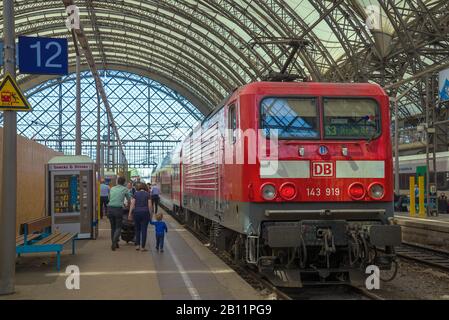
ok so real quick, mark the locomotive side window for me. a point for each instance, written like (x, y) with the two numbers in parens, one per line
(293, 118)
(232, 123)
(351, 118)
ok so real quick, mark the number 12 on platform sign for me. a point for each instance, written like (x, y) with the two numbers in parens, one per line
(43, 55)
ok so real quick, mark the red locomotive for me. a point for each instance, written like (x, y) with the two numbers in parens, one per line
(295, 178)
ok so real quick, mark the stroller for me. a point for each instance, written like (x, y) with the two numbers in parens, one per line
(128, 232)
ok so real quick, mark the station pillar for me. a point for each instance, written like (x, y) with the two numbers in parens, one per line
(9, 166)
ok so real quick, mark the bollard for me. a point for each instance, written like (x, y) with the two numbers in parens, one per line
(422, 209)
(412, 197)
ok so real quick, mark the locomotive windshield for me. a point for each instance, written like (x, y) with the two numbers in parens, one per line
(293, 118)
(353, 118)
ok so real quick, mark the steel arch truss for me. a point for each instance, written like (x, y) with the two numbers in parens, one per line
(201, 47)
(150, 117)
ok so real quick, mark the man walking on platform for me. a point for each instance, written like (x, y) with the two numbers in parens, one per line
(155, 192)
(104, 198)
(117, 197)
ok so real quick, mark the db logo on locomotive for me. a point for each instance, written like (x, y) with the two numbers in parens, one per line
(322, 169)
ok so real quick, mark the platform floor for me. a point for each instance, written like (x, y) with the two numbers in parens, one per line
(429, 231)
(185, 270)
(443, 217)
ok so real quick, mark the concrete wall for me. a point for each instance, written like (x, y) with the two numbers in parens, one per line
(430, 232)
(31, 158)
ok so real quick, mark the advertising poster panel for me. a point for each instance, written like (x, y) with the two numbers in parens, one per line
(444, 85)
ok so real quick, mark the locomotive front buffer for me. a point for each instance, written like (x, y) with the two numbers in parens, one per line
(324, 250)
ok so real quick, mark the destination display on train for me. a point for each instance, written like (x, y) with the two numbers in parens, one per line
(348, 131)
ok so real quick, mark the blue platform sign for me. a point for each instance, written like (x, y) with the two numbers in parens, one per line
(43, 55)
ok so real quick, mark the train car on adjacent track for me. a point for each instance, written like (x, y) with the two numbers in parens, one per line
(408, 166)
(294, 178)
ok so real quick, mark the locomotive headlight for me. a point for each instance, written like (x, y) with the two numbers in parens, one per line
(287, 191)
(268, 192)
(356, 191)
(376, 191)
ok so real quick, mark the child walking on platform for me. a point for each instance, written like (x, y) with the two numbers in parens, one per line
(161, 229)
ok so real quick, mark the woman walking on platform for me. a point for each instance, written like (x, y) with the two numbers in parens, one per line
(140, 212)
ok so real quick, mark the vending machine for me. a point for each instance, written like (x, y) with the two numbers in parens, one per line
(71, 195)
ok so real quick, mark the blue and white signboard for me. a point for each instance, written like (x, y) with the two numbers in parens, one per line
(43, 55)
(444, 85)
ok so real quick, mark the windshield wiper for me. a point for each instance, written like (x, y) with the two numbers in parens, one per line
(374, 135)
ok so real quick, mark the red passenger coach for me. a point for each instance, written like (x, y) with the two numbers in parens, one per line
(295, 178)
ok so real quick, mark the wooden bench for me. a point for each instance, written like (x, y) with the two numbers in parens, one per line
(35, 237)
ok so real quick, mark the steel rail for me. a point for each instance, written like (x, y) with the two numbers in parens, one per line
(425, 255)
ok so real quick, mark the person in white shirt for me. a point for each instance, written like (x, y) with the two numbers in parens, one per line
(104, 198)
(155, 192)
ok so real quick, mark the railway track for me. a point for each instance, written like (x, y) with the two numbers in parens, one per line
(335, 292)
(425, 255)
(254, 279)
(364, 292)
(251, 277)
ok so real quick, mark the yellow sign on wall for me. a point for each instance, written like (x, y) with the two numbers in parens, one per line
(11, 98)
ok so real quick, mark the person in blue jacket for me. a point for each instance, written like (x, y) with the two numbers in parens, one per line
(416, 197)
(161, 229)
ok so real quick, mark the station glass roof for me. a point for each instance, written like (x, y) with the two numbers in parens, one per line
(205, 48)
